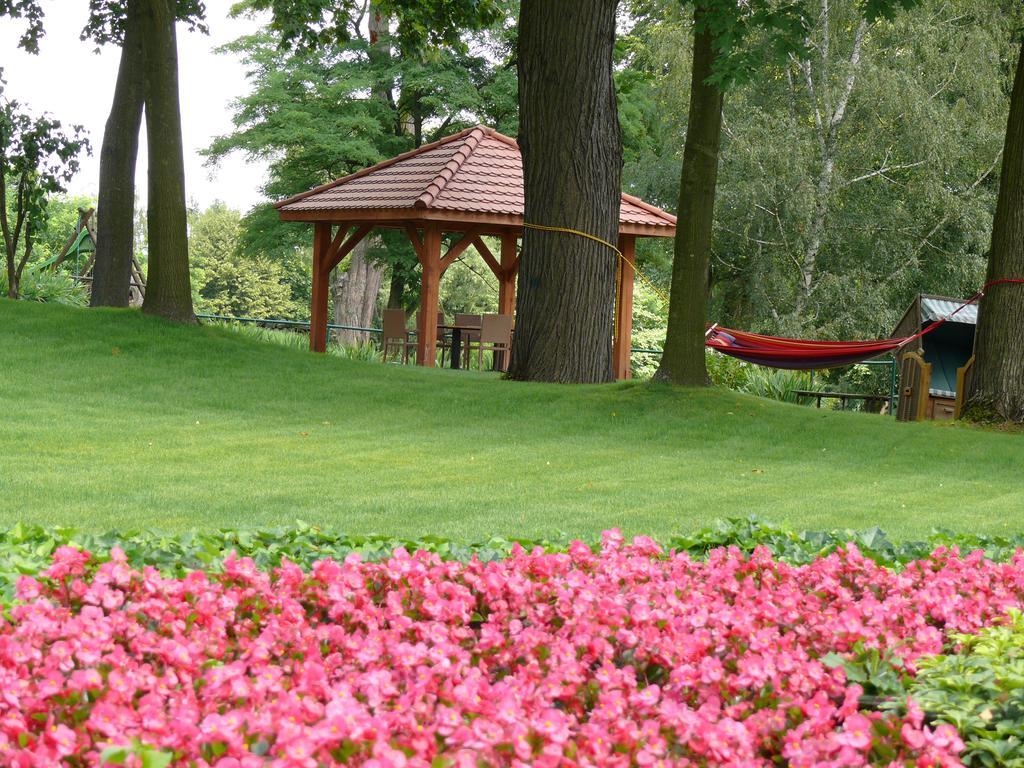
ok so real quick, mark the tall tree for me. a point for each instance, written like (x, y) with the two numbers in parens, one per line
(997, 383)
(738, 38)
(682, 361)
(115, 231)
(720, 28)
(230, 280)
(118, 22)
(572, 163)
(168, 286)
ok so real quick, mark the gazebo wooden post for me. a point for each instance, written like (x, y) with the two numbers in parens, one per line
(624, 308)
(318, 299)
(507, 279)
(430, 258)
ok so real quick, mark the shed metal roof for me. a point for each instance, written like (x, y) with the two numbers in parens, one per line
(937, 308)
(475, 171)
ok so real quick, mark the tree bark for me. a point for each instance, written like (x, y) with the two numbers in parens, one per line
(396, 289)
(997, 383)
(355, 295)
(572, 164)
(168, 288)
(683, 359)
(115, 236)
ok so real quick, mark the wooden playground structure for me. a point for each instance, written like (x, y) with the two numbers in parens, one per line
(82, 245)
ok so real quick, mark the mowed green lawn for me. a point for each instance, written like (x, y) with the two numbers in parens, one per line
(111, 420)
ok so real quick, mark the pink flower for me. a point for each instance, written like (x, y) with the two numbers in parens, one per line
(618, 656)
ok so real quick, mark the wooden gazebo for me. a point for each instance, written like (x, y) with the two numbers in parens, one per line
(469, 183)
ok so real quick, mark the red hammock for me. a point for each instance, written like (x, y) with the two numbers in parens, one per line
(776, 352)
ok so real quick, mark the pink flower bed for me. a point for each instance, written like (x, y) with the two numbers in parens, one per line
(622, 657)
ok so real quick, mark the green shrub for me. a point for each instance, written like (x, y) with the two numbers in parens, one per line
(47, 285)
(726, 371)
(650, 318)
(776, 384)
(367, 351)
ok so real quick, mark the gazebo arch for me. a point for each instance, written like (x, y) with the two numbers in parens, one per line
(469, 183)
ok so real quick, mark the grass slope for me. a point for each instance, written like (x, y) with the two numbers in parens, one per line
(110, 420)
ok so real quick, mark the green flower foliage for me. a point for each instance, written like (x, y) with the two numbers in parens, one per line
(977, 687)
(26, 549)
(980, 691)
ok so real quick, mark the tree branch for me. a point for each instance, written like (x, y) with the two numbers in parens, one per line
(882, 171)
(813, 93)
(851, 78)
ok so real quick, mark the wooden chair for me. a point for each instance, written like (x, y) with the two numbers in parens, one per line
(395, 334)
(443, 340)
(495, 336)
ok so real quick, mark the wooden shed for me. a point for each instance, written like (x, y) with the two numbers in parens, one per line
(934, 367)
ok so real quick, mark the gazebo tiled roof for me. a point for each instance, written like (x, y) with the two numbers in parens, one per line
(477, 171)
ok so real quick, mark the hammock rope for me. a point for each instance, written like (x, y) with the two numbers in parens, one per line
(780, 352)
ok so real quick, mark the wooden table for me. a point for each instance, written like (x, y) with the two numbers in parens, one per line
(456, 353)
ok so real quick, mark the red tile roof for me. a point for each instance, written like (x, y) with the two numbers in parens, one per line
(477, 171)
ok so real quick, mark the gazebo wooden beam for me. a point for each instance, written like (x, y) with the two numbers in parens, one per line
(430, 259)
(623, 339)
(487, 256)
(328, 252)
(338, 238)
(318, 294)
(456, 249)
(507, 279)
(340, 247)
(414, 238)
(495, 224)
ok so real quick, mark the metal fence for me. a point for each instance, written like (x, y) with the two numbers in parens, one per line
(304, 325)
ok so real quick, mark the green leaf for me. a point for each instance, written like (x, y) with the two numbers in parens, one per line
(152, 758)
(115, 755)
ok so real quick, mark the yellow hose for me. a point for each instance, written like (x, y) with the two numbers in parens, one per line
(650, 283)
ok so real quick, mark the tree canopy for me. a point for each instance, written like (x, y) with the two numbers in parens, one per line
(38, 156)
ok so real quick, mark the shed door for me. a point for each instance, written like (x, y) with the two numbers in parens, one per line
(915, 379)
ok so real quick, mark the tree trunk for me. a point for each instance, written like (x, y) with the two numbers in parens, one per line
(168, 288)
(997, 383)
(115, 234)
(572, 166)
(683, 359)
(396, 289)
(355, 295)
(827, 123)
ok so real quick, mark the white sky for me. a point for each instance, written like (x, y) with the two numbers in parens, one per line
(76, 85)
